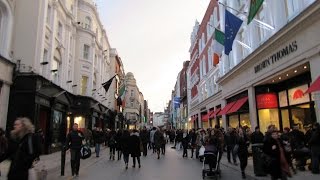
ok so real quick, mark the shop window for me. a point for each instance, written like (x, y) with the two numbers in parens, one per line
(81, 121)
(205, 125)
(301, 115)
(245, 120)
(268, 117)
(56, 124)
(234, 121)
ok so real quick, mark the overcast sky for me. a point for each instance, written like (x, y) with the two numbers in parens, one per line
(152, 38)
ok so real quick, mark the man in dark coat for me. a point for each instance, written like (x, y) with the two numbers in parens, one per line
(298, 146)
(135, 150)
(314, 144)
(98, 138)
(144, 139)
(74, 143)
(158, 137)
(230, 140)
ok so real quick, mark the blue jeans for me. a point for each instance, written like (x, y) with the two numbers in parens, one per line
(97, 149)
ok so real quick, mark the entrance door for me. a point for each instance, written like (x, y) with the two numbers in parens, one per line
(43, 124)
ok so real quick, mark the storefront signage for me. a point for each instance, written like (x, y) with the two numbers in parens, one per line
(297, 96)
(267, 101)
(42, 101)
(290, 48)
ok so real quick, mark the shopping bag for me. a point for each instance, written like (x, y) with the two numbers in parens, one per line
(201, 151)
(85, 152)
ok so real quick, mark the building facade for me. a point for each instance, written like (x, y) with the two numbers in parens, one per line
(6, 62)
(62, 59)
(275, 59)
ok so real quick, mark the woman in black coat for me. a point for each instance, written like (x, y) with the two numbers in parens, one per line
(134, 147)
(241, 146)
(273, 147)
(125, 146)
(118, 144)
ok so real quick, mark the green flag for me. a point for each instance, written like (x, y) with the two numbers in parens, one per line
(254, 8)
(218, 46)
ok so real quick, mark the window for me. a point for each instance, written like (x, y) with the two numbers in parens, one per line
(59, 31)
(132, 93)
(131, 104)
(55, 66)
(45, 56)
(292, 8)
(84, 82)
(49, 14)
(87, 23)
(86, 51)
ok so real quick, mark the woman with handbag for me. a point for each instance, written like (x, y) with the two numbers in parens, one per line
(274, 149)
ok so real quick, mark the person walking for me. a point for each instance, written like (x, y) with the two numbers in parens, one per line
(242, 143)
(22, 149)
(118, 144)
(185, 143)
(230, 141)
(158, 137)
(279, 167)
(74, 143)
(152, 132)
(3, 145)
(144, 139)
(163, 143)
(193, 139)
(98, 137)
(135, 150)
(112, 144)
(125, 145)
(314, 144)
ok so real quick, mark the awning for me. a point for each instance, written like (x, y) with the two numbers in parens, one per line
(204, 118)
(239, 103)
(215, 113)
(315, 86)
(226, 108)
(210, 113)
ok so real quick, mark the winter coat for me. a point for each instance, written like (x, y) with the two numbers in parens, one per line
(230, 139)
(144, 136)
(118, 139)
(271, 148)
(134, 145)
(193, 138)
(22, 154)
(257, 137)
(298, 139)
(3, 146)
(74, 140)
(243, 143)
(152, 136)
(314, 141)
(158, 139)
(185, 141)
(125, 144)
(98, 137)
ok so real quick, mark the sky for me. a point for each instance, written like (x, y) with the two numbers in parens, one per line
(152, 38)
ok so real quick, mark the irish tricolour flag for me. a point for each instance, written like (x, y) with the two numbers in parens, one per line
(218, 46)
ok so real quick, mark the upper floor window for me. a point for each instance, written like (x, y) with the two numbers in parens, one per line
(45, 56)
(49, 14)
(55, 65)
(84, 84)
(59, 30)
(87, 23)
(292, 8)
(131, 104)
(86, 51)
(132, 93)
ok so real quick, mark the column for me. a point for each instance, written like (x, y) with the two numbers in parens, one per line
(224, 117)
(252, 107)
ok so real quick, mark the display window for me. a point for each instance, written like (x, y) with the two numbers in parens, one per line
(81, 121)
(268, 117)
(245, 120)
(234, 121)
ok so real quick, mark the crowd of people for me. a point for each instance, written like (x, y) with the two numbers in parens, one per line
(282, 153)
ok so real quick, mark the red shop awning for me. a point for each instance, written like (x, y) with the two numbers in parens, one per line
(315, 86)
(239, 103)
(226, 108)
(210, 113)
(214, 113)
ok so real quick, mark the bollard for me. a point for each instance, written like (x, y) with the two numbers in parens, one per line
(63, 159)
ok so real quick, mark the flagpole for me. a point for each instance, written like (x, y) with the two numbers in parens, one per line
(232, 8)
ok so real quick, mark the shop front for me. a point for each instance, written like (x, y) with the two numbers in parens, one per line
(204, 120)
(214, 118)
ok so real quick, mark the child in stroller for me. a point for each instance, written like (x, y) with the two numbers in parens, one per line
(211, 158)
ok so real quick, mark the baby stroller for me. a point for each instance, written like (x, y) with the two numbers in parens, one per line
(211, 166)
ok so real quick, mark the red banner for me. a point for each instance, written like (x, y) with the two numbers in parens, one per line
(267, 101)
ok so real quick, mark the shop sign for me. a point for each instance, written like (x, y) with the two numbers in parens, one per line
(42, 101)
(267, 101)
(290, 48)
(297, 96)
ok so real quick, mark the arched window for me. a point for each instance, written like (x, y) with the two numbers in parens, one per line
(87, 23)
(6, 21)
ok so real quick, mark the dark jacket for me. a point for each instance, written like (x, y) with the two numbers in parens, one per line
(243, 143)
(22, 155)
(134, 147)
(185, 141)
(158, 138)
(315, 139)
(118, 141)
(125, 143)
(298, 139)
(257, 137)
(98, 137)
(230, 138)
(144, 136)
(74, 140)
(274, 153)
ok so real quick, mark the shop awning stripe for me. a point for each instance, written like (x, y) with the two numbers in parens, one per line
(315, 86)
(226, 108)
(239, 103)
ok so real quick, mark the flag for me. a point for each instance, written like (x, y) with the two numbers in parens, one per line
(120, 99)
(107, 84)
(254, 8)
(176, 102)
(218, 46)
(232, 26)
